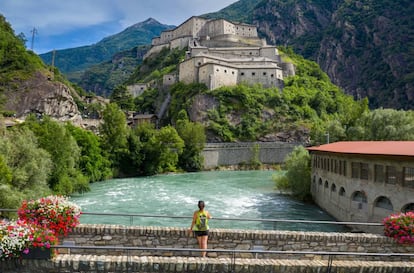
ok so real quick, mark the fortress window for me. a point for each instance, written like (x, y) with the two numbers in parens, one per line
(364, 171)
(355, 169)
(242, 73)
(391, 175)
(253, 73)
(342, 191)
(199, 63)
(359, 197)
(344, 168)
(409, 177)
(333, 188)
(326, 184)
(379, 173)
(232, 72)
(217, 70)
(225, 71)
(272, 76)
(264, 73)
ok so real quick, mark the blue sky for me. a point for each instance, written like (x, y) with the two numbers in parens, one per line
(73, 23)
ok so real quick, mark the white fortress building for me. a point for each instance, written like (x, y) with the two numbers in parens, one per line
(222, 53)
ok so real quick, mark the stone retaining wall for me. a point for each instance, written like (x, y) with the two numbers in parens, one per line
(225, 154)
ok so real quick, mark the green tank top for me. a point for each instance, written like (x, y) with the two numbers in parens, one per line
(201, 223)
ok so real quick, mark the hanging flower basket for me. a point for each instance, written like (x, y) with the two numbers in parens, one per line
(400, 226)
(56, 213)
(19, 239)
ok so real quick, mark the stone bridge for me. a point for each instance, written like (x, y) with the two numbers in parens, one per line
(113, 248)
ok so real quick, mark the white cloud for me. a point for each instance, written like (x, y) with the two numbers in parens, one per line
(57, 17)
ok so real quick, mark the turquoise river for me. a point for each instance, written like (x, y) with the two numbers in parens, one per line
(228, 195)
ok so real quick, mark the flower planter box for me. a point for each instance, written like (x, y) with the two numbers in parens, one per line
(38, 253)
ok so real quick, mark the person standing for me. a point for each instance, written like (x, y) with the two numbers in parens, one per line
(199, 226)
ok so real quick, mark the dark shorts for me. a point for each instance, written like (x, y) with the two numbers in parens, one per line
(201, 233)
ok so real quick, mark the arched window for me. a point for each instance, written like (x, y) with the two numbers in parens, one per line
(342, 191)
(408, 207)
(384, 203)
(359, 196)
(333, 188)
(326, 184)
(320, 181)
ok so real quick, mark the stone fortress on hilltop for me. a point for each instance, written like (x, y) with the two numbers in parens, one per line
(220, 53)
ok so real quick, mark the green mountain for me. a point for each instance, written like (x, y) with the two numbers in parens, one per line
(102, 78)
(240, 11)
(366, 47)
(73, 61)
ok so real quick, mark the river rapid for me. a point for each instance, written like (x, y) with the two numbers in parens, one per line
(227, 194)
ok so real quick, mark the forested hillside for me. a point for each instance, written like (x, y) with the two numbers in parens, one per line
(73, 61)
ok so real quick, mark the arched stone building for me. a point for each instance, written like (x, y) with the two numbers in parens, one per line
(363, 181)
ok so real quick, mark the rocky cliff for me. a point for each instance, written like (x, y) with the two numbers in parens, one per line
(42, 96)
(364, 46)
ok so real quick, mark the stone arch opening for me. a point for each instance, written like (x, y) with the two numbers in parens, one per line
(359, 196)
(342, 191)
(408, 207)
(383, 203)
(326, 184)
(333, 187)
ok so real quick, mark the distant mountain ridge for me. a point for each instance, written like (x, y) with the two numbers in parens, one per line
(73, 60)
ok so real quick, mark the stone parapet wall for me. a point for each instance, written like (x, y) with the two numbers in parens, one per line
(239, 240)
(119, 261)
(119, 264)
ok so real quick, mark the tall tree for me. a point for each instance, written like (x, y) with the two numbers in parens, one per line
(24, 168)
(92, 162)
(194, 137)
(54, 138)
(114, 133)
(297, 177)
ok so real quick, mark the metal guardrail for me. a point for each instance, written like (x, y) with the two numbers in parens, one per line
(132, 215)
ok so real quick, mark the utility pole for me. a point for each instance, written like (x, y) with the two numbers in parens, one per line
(53, 58)
(34, 32)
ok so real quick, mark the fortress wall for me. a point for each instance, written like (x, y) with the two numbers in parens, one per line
(266, 76)
(246, 30)
(270, 52)
(188, 71)
(215, 76)
(137, 89)
(180, 42)
(225, 154)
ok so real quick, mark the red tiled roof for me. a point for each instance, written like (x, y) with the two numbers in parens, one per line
(402, 148)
